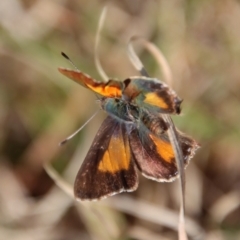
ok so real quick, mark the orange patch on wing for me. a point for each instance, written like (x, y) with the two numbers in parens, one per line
(107, 89)
(117, 157)
(155, 100)
(110, 89)
(164, 149)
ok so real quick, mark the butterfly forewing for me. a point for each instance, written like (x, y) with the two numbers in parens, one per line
(152, 95)
(148, 93)
(111, 88)
(108, 167)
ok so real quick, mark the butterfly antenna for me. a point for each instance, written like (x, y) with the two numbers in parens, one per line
(98, 35)
(75, 133)
(69, 59)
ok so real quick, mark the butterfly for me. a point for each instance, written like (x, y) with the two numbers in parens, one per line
(132, 137)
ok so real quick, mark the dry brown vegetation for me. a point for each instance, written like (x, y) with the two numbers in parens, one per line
(39, 108)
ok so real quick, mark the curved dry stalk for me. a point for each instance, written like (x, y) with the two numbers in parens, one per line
(171, 131)
(62, 184)
(157, 54)
(98, 35)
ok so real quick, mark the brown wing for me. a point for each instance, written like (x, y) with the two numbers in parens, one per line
(154, 155)
(108, 168)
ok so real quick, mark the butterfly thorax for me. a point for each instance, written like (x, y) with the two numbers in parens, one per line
(120, 109)
(129, 113)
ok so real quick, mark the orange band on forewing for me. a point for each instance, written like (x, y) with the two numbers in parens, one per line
(111, 88)
(164, 149)
(117, 157)
(106, 91)
(155, 100)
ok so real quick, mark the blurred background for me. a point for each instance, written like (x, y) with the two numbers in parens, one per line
(39, 108)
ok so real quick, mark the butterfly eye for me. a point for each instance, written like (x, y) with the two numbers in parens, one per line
(178, 105)
(126, 82)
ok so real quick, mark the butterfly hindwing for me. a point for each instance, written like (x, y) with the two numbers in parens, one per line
(154, 154)
(108, 167)
(154, 157)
